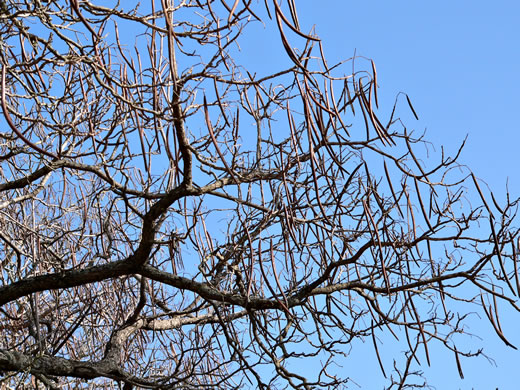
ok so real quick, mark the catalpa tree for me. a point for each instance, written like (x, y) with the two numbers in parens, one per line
(173, 219)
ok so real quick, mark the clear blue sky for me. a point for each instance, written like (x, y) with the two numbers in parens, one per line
(459, 62)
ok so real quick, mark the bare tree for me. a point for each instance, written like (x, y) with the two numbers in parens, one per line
(172, 219)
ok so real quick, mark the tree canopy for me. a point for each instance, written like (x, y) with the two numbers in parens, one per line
(172, 217)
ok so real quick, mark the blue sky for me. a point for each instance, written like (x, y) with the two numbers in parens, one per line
(458, 61)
